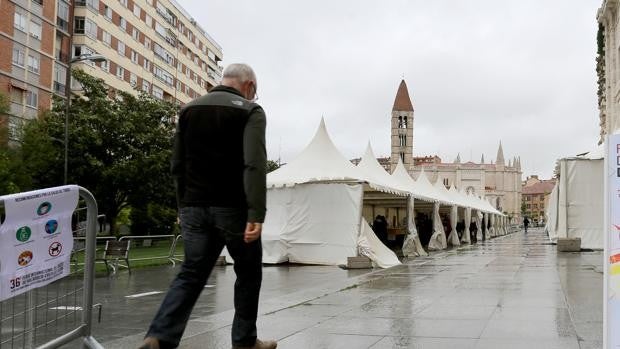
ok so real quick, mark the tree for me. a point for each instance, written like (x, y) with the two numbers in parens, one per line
(119, 147)
(272, 166)
(10, 164)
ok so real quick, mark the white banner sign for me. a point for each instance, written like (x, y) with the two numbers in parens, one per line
(36, 239)
(612, 244)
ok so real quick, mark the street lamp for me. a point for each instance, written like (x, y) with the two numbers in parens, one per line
(81, 58)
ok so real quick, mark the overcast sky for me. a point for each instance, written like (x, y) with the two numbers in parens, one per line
(478, 71)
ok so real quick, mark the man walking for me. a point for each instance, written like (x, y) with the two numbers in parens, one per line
(219, 167)
(526, 223)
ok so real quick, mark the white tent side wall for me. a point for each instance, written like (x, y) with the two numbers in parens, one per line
(579, 207)
(312, 223)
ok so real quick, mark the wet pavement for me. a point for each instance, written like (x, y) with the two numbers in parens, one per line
(514, 291)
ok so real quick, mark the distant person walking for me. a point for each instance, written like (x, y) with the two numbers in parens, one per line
(526, 223)
(219, 167)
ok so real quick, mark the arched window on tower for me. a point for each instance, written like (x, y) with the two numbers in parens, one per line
(402, 157)
(404, 122)
(400, 122)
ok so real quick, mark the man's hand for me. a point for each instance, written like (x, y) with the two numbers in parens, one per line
(252, 232)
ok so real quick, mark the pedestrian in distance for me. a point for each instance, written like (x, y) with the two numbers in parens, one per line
(526, 223)
(219, 168)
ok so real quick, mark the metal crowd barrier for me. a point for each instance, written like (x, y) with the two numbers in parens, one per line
(170, 256)
(61, 312)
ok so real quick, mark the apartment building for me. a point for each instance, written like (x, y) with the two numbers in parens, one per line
(535, 194)
(34, 47)
(150, 45)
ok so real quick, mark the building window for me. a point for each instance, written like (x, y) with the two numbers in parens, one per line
(402, 139)
(107, 12)
(123, 23)
(146, 87)
(105, 66)
(402, 157)
(93, 4)
(158, 92)
(120, 72)
(33, 64)
(40, 2)
(149, 21)
(79, 25)
(121, 48)
(91, 29)
(60, 75)
(19, 21)
(123, 2)
(32, 98)
(147, 43)
(163, 54)
(134, 56)
(446, 182)
(136, 10)
(133, 79)
(147, 64)
(163, 75)
(62, 18)
(107, 38)
(135, 34)
(35, 30)
(18, 56)
(17, 95)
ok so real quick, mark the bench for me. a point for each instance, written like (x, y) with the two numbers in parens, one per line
(115, 251)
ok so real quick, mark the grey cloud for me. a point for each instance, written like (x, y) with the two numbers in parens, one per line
(478, 71)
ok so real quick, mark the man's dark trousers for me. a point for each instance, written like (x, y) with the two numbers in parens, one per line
(206, 230)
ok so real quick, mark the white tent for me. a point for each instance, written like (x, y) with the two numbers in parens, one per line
(575, 207)
(314, 208)
(412, 245)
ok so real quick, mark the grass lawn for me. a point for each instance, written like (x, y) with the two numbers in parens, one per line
(139, 256)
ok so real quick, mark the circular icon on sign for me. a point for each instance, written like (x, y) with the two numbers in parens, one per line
(44, 208)
(23, 234)
(55, 248)
(51, 226)
(24, 258)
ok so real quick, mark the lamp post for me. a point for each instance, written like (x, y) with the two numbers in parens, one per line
(81, 58)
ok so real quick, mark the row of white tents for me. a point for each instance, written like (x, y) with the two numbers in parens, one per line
(315, 207)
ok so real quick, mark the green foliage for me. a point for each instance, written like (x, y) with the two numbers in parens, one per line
(600, 64)
(272, 166)
(154, 219)
(10, 162)
(119, 148)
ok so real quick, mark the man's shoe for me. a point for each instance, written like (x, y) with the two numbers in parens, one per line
(150, 343)
(260, 345)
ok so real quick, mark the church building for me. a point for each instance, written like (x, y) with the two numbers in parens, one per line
(499, 181)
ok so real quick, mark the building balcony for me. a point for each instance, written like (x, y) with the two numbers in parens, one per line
(59, 88)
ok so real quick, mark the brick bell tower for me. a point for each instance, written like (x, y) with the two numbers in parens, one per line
(402, 128)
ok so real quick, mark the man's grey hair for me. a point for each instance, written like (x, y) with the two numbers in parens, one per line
(240, 72)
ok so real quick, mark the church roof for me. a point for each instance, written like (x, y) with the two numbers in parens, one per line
(402, 101)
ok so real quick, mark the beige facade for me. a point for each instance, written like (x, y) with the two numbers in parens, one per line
(609, 70)
(498, 182)
(151, 45)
